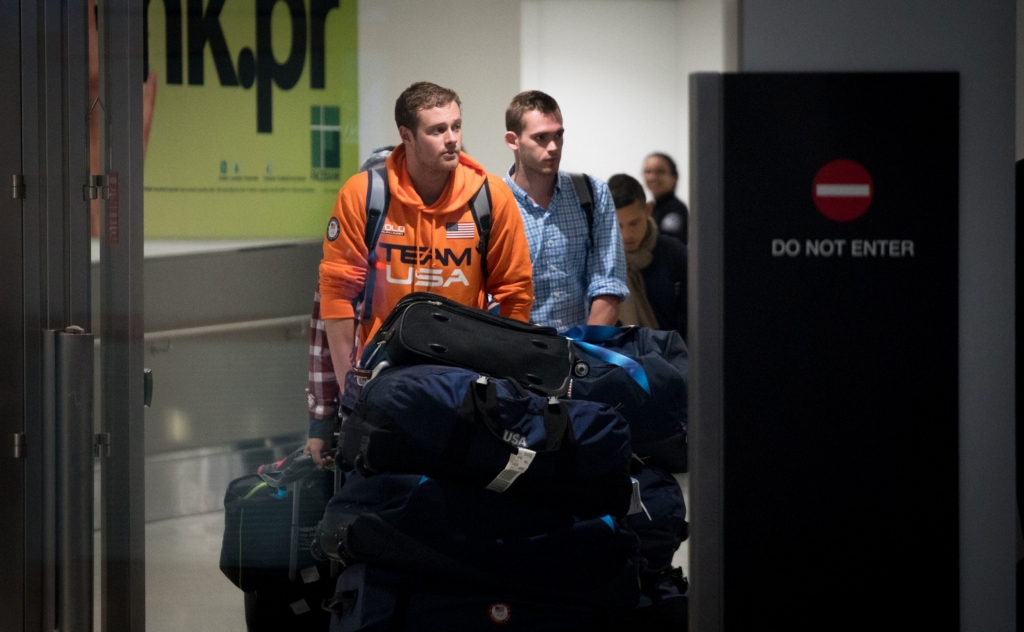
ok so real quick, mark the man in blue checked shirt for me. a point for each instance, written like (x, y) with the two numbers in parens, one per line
(576, 280)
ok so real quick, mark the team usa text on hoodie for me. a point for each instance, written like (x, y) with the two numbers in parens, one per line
(426, 248)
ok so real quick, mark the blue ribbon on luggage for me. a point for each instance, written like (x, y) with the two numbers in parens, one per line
(584, 335)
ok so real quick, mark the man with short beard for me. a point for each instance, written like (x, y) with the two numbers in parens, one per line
(579, 267)
(655, 263)
(429, 239)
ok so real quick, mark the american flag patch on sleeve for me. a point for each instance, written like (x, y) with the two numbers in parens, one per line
(460, 230)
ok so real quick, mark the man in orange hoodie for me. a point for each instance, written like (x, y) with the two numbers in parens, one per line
(429, 239)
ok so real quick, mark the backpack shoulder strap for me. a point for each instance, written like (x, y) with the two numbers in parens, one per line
(378, 196)
(480, 207)
(585, 192)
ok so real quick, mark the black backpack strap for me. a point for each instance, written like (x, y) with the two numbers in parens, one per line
(480, 207)
(585, 192)
(378, 196)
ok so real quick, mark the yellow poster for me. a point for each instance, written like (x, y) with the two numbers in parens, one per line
(255, 119)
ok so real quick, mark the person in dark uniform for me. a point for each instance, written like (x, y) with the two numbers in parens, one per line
(655, 263)
(669, 212)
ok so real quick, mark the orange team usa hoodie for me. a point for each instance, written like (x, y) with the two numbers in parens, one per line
(426, 248)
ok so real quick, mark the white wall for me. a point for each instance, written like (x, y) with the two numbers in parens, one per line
(977, 40)
(611, 65)
(618, 69)
(701, 48)
(471, 46)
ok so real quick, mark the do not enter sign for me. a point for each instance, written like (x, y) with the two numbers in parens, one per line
(843, 190)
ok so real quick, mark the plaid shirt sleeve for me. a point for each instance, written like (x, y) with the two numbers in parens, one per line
(606, 264)
(322, 393)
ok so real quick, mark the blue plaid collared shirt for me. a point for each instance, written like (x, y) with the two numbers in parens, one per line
(567, 275)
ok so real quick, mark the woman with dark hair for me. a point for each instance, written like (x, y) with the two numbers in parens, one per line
(671, 214)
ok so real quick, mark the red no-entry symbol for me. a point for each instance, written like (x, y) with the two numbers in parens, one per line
(843, 190)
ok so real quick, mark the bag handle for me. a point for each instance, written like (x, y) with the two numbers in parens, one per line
(580, 335)
(481, 406)
(557, 429)
(563, 443)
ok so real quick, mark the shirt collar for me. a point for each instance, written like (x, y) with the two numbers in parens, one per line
(521, 194)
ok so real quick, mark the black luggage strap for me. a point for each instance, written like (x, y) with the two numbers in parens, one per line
(341, 603)
(480, 207)
(481, 406)
(585, 192)
(561, 438)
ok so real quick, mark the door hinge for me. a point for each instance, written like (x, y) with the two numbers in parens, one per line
(101, 445)
(147, 387)
(94, 188)
(18, 187)
(19, 445)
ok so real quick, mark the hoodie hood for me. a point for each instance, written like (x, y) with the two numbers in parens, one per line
(463, 183)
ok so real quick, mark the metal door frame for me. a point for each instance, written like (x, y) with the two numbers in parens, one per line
(46, 528)
(13, 575)
(121, 319)
(47, 259)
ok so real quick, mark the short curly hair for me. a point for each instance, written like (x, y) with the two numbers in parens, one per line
(421, 95)
(525, 102)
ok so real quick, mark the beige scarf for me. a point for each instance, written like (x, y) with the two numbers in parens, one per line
(636, 310)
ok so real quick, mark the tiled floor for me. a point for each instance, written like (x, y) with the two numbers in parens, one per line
(185, 590)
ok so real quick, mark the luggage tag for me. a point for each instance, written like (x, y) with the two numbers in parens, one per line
(362, 376)
(517, 464)
(310, 575)
(360, 370)
(636, 505)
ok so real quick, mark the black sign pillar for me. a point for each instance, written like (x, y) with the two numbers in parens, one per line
(824, 349)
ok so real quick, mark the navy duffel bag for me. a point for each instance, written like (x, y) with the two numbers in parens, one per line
(455, 424)
(643, 373)
(662, 525)
(466, 536)
(374, 599)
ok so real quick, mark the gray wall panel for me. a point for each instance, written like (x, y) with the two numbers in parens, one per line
(976, 39)
(196, 290)
(214, 390)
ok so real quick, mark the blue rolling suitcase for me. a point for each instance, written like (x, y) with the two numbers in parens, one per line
(270, 523)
